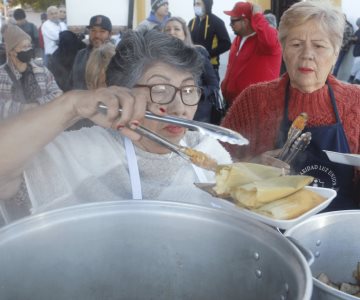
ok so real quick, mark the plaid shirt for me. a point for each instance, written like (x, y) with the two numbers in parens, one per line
(49, 89)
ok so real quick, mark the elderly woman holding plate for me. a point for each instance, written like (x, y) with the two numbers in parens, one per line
(311, 35)
(42, 167)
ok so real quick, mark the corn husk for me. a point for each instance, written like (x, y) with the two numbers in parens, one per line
(256, 194)
(237, 174)
(291, 206)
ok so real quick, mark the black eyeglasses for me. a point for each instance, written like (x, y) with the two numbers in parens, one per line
(233, 21)
(165, 93)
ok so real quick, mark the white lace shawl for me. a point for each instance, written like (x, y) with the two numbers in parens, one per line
(90, 165)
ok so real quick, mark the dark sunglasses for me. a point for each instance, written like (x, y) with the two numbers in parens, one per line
(233, 21)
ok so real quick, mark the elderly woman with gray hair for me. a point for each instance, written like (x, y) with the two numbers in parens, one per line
(311, 36)
(111, 162)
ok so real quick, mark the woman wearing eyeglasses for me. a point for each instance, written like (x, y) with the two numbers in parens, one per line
(111, 162)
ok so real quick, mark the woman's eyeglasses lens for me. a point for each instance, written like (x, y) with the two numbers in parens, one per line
(164, 94)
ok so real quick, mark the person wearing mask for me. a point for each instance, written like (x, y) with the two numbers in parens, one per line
(158, 16)
(255, 53)
(311, 35)
(100, 28)
(209, 31)
(51, 29)
(29, 28)
(23, 83)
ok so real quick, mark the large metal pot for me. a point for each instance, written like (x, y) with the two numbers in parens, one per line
(334, 240)
(148, 250)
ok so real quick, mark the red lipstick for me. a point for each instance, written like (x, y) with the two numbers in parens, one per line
(174, 129)
(305, 70)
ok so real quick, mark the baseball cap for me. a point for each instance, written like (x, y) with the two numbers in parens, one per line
(101, 21)
(241, 9)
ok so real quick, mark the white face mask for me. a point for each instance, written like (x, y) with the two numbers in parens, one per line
(199, 11)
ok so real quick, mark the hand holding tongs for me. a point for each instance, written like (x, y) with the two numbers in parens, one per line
(217, 132)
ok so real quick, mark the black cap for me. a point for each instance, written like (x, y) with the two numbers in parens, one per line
(101, 21)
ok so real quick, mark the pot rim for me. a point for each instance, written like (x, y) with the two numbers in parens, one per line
(317, 219)
(83, 211)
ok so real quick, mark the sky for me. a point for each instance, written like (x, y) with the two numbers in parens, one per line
(352, 10)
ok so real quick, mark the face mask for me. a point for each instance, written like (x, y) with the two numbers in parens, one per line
(199, 11)
(25, 56)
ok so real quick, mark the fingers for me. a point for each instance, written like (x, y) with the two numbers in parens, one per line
(114, 98)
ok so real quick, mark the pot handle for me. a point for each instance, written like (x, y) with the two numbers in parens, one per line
(309, 256)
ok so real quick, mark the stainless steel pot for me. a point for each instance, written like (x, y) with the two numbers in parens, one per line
(334, 240)
(148, 250)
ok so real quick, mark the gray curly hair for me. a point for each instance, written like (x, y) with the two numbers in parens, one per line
(138, 50)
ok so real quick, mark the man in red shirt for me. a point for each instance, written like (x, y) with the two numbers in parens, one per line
(255, 54)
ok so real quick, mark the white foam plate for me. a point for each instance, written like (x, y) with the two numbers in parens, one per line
(328, 194)
(344, 158)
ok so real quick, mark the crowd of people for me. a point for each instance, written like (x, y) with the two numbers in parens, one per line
(170, 67)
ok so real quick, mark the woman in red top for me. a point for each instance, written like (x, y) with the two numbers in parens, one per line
(311, 34)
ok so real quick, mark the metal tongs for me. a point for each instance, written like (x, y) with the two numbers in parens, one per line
(294, 132)
(220, 133)
(190, 155)
(296, 140)
(299, 145)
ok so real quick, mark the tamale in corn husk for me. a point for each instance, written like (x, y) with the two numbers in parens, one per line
(258, 193)
(291, 206)
(237, 174)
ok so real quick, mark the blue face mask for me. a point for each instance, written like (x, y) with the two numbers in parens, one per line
(199, 11)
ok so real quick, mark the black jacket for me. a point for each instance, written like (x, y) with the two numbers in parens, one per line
(214, 38)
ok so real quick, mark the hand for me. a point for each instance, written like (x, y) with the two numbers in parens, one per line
(85, 105)
(256, 9)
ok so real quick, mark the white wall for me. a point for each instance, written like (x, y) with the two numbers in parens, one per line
(352, 10)
(80, 12)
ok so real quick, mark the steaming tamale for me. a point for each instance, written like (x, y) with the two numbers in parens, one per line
(237, 174)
